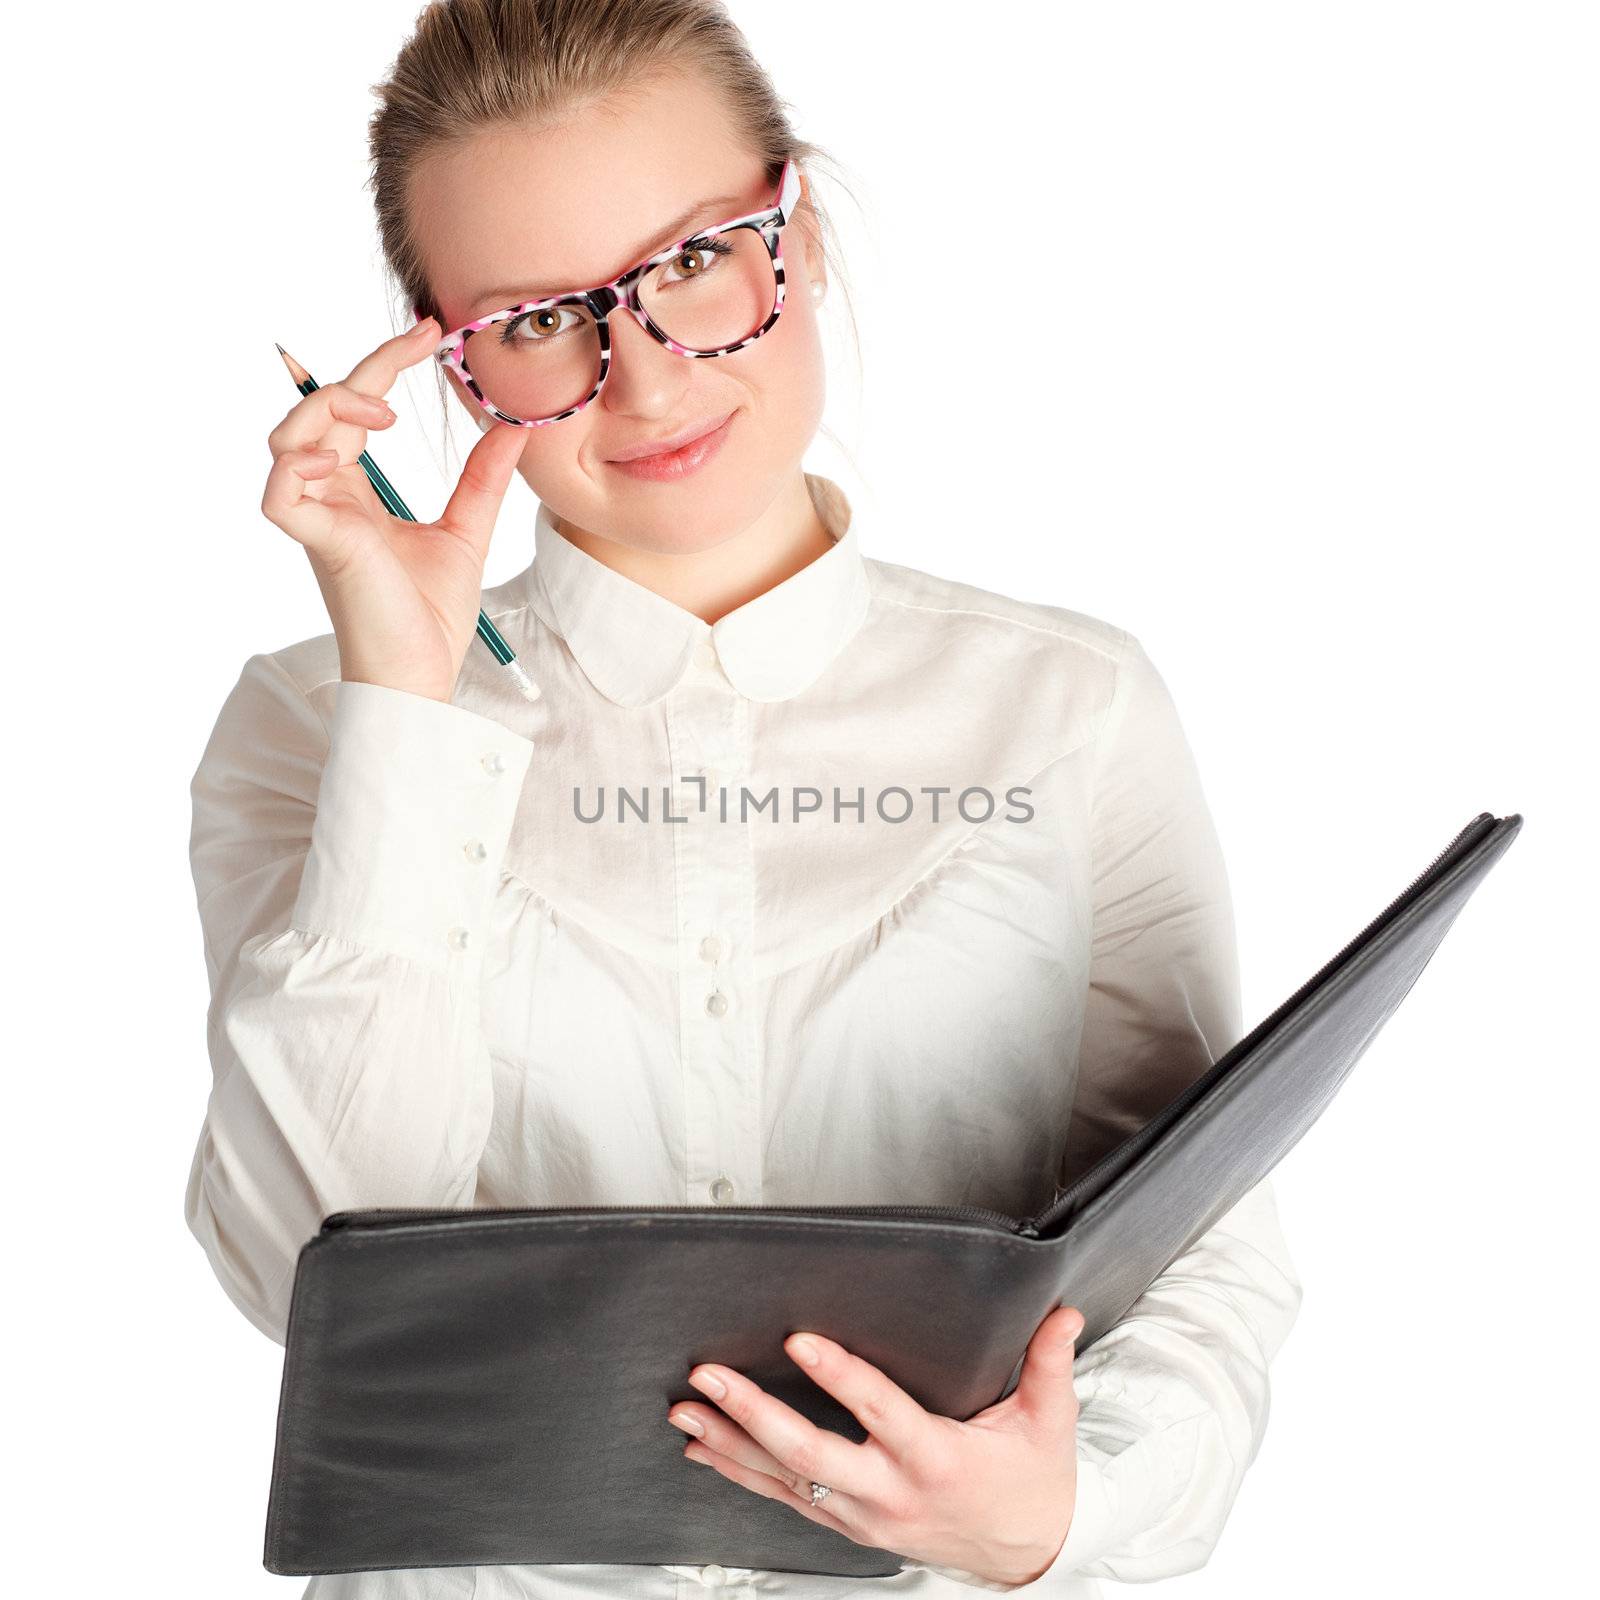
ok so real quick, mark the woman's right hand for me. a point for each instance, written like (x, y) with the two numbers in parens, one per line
(404, 596)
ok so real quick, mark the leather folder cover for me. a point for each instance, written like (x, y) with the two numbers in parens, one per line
(482, 1387)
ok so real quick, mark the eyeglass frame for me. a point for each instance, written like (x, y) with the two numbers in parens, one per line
(622, 292)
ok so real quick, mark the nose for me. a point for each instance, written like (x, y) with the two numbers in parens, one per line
(628, 324)
(642, 369)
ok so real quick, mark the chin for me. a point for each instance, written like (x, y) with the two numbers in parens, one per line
(700, 521)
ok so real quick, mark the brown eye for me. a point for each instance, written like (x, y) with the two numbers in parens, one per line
(696, 260)
(538, 327)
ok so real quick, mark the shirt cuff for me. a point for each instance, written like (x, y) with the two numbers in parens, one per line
(413, 816)
(1094, 1529)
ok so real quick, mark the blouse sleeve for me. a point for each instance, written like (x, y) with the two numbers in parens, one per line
(343, 872)
(1173, 1399)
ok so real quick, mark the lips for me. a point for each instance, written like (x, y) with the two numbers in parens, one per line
(672, 441)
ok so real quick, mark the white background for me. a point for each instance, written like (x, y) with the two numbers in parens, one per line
(1267, 331)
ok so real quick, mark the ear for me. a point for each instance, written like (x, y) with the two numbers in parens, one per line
(805, 217)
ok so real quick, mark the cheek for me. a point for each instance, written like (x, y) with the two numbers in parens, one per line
(787, 364)
(555, 454)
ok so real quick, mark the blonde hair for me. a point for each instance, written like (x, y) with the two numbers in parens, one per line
(471, 65)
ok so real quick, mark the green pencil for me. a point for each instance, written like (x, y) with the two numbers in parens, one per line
(503, 653)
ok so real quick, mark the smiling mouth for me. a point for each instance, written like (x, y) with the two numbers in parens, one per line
(671, 447)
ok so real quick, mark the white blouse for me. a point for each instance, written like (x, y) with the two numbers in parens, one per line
(882, 889)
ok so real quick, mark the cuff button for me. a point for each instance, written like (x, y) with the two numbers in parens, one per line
(475, 851)
(494, 763)
(457, 938)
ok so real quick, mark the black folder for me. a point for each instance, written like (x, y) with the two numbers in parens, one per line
(490, 1386)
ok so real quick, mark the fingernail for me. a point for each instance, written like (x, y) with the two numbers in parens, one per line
(805, 1350)
(707, 1383)
(688, 1424)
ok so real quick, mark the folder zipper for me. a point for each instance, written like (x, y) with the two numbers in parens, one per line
(379, 1216)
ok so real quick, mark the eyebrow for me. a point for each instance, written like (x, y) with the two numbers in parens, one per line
(676, 229)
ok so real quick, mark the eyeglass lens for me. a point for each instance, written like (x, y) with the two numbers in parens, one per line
(713, 293)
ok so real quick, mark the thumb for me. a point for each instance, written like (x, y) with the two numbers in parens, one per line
(1044, 1391)
(475, 505)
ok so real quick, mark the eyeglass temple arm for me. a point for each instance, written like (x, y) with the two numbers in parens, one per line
(789, 193)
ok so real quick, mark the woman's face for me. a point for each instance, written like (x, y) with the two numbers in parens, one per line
(571, 205)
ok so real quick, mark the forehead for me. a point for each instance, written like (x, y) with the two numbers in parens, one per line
(573, 203)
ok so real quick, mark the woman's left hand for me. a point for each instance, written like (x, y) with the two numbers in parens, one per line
(992, 1495)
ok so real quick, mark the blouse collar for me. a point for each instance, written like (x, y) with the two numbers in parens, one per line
(634, 645)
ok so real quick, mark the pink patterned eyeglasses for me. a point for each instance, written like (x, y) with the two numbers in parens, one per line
(708, 294)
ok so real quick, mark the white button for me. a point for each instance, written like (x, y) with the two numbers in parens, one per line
(475, 850)
(457, 938)
(717, 1003)
(710, 947)
(706, 654)
(722, 1192)
(494, 763)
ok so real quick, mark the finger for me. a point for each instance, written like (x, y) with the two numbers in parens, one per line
(288, 501)
(1044, 1391)
(720, 1433)
(375, 373)
(873, 1398)
(317, 415)
(771, 1488)
(805, 1452)
(475, 505)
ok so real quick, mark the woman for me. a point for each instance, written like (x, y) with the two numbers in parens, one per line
(943, 917)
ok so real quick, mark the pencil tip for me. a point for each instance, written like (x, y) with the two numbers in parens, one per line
(296, 371)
